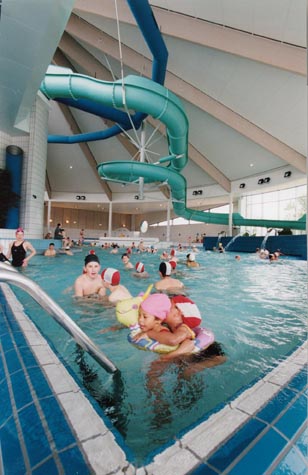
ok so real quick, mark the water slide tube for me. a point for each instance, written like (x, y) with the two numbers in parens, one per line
(157, 101)
(147, 24)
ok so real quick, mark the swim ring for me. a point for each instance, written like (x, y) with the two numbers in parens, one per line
(203, 338)
(127, 310)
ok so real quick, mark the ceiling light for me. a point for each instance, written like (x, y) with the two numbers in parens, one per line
(260, 181)
(242, 185)
(251, 164)
(267, 179)
(287, 174)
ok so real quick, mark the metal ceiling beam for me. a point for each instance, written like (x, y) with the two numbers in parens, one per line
(223, 38)
(91, 35)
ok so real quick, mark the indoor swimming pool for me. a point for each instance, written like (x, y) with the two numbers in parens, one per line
(257, 311)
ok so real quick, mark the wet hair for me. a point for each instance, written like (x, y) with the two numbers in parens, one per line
(215, 349)
(91, 258)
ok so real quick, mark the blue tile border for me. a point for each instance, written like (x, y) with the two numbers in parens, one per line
(193, 451)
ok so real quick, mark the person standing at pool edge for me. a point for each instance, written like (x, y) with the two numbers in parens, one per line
(18, 250)
(58, 232)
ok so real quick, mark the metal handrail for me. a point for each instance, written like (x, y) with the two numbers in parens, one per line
(10, 275)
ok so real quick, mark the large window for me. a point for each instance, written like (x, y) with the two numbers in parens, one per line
(178, 221)
(289, 204)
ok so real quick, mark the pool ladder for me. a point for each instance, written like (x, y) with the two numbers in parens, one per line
(10, 275)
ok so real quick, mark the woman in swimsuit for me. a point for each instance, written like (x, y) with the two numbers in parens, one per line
(18, 250)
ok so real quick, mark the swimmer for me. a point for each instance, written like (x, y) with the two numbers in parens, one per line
(152, 313)
(171, 312)
(140, 271)
(191, 260)
(111, 281)
(126, 261)
(68, 251)
(18, 250)
(50, 252)
(167, 282)
(90, 283)
(221, 249)
(237, 258)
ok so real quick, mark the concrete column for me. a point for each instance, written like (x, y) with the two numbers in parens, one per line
(110, 220)
(48, 215)
(168, 222)
(230, 213)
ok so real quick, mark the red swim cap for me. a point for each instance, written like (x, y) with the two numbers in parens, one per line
(139, 267)
(190, 311)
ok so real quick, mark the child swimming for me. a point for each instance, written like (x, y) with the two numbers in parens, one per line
(157, 309)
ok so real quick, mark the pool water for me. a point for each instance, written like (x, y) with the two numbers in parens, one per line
(257, 311)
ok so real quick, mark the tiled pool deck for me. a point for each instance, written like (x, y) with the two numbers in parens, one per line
(48, 426)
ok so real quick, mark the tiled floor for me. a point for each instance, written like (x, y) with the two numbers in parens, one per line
(48, 427)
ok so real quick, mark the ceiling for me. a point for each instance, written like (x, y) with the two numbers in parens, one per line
(238, 67)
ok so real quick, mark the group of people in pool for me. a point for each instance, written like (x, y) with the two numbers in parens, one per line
(169, 319)
(162, 317)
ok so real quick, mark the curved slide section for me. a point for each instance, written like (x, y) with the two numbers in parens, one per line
(142, 94)
(146, 22)
(131, 171)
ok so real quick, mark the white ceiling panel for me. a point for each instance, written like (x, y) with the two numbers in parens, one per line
(211, 83)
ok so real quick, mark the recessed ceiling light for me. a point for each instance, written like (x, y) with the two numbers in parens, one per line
(251, 164)
(71, 166)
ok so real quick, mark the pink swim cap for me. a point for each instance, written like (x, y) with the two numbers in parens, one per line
(158, 305)
(19, 230)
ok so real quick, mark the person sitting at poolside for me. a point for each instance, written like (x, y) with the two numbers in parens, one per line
(18, 250)
(126, 261)
(191, 260)
(140, 271)
(50, 252)
(168, 283)
(90, 283)
(111, 279)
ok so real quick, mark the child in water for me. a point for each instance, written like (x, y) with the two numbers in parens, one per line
(111, 279)
(182, 316)
(158, 309)
(90, 284)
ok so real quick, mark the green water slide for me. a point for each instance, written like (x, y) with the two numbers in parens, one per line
(145, 95)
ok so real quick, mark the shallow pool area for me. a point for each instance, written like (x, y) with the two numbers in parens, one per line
(256, 310)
